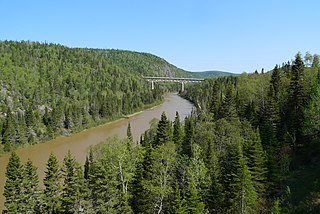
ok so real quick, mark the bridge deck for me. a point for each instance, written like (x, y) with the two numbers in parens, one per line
(174, 79)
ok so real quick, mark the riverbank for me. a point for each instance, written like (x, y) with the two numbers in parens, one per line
(101, 122)
(79, 143)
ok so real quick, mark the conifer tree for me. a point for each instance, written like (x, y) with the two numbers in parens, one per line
(86, 168)
(255, 157)
(9, 135)
(214, 197)
(177, 132)
(12, 187)
(178, 204)
(72, 196)
(275, 81)
(129, 133)
(188, 137)
(296, 102)
(240, 195)
(30, 193)
(312, 111)
(228, 106)
(164, 131)
(52, 190)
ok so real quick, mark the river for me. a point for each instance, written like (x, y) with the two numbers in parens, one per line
(79, 143)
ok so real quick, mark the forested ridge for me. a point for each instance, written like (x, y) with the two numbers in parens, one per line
(234, 154)
(47, 90)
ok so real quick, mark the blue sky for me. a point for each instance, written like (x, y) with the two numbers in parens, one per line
(229, 35)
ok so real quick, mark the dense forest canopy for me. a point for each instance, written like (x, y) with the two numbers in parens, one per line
(236, 153)
(49, 89)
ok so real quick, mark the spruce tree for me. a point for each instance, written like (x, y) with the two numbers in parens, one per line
(52, 183)
(164, 130)
(275, 81)
(228, 106)
(188, 137)
(240, 195)
(177, 132)
(178, 204)
(195, 204)
(129, 133)
(214, 197)
(12, 188)
(73, 185)
(30, 194)
(255, 157)
(296, 102)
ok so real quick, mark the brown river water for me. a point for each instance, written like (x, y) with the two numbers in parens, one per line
(79, 143)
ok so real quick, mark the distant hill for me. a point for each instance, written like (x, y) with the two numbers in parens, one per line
(148, 64)
(210, 74)
(144, 63)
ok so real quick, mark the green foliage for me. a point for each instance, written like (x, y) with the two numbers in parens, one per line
(52, 182)
(159, 183)
(30, 193)
(312, 111)
(72, 195)
(186, 148)
(129, 133)
(296, 102)
(232, 155)
(164, 131)
(178, 205)
(177, 131)
(13, 185)
(48, 90)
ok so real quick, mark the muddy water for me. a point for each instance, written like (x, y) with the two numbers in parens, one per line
(79, 143)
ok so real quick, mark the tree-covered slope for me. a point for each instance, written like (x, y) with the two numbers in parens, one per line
(144, 63)
(48, 89)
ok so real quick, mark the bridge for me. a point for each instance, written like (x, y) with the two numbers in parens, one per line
(181, 80)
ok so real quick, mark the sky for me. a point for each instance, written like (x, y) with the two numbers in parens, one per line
(195, 35)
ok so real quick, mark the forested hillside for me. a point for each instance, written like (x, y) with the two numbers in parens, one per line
(144, 63)
(235, 154)
(48, 90)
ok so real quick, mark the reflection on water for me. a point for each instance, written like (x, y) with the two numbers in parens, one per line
(79, 143)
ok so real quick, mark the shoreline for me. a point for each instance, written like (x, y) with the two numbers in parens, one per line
(106, 123)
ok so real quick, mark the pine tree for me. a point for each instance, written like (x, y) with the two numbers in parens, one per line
(194, 202)
(73, 185)
(52, 190)
(215, 101)
(129, 133)
(240, 195)
(188, 141)
(9, 135)
(275, 81)
(164, 130)
(30, 193)
(296, 102)
(312, 111)
(228, 106)
(215, 196)
(177, 132)
(255, 157)
(12, 188)
(178, 204)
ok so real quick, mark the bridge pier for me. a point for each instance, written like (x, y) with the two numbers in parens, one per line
(152, 85)
(182, 86)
